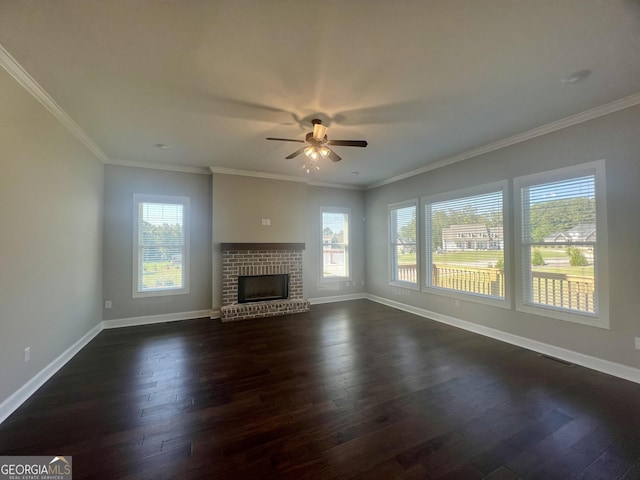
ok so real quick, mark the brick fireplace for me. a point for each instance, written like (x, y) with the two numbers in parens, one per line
(261, 259)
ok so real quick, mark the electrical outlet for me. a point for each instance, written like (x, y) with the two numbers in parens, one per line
(27, 354)
(107, 304)
(637, 343)
(456, 303)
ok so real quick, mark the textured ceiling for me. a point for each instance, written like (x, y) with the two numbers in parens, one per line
(420, 80)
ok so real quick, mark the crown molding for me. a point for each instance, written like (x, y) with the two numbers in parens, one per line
(276, 176)
(257, 174)
(159, 166)
(28, 83)
(566, 122)
(313, 183)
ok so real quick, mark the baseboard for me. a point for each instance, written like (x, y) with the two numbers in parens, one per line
(605, 366)
(151, 319)
(21, 395)
(337, 298)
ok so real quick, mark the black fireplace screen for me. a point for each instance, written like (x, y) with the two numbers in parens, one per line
(260, 288)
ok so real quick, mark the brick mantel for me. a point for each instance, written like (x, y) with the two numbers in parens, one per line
(242, 259)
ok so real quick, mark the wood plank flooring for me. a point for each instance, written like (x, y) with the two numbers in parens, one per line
(350, 390)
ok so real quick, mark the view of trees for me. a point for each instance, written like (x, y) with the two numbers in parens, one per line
(536, 258)
(445, 218)
(576, 257)
(334, 239)
(161, 242)
(441, 219)
(548, 218)
(558, 215)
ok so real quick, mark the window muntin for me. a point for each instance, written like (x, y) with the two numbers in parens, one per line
(161, 253)
(563, 244)
(403, 244)
(335, 243)
(465, 243)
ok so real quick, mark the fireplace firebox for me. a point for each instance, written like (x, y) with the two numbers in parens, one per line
(260, 288)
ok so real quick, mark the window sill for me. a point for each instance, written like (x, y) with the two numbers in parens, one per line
(161, 293)
(407, 285)
(566, 316)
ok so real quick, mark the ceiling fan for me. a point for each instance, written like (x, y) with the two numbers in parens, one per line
(318, 144)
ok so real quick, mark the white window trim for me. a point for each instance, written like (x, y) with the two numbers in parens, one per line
(398, 283)
(601, 318)
(186, 259)
(501, 185)
(334, 279)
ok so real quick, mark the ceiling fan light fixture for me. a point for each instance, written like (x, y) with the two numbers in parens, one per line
(311, 152)
(317, 148)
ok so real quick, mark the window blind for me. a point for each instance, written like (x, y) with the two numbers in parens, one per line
(466, 244)
(404, 267)
(161, 244)
(335, 244)
(559, 245)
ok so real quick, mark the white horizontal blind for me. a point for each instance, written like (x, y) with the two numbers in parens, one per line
(335, 244)
(161, 241)
(559, 245)
(466, 244)
(404, 266)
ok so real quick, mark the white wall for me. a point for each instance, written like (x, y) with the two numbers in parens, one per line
(120, 185)
(240, 203)
(51, 240)
(615, 138)
(318, 197)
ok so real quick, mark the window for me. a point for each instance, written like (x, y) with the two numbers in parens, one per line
(562, 234)
(465, 243)
(403, 244)
(335, 243)
(161, 245)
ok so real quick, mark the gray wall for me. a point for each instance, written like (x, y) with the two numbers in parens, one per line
(334, 197)
(240, 203)
(120, 184)
(51, 240)
(616, 138)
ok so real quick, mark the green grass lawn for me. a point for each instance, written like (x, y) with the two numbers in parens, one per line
(550, 255)
(487, 257)
(161, 274)
(484, 256)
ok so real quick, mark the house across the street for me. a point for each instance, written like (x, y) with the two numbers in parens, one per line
(472, 237)
(583, 232)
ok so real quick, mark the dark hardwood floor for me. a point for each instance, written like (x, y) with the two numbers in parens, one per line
(349, 390)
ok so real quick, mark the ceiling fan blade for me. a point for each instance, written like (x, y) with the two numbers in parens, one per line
(400, 112)
(334, 156)
(285, 139)
(348, 143)
(295, 154)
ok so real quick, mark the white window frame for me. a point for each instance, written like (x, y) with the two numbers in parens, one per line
(333, 279)
(138, 200)
(392, 258)
(425, 202)
(601, 268)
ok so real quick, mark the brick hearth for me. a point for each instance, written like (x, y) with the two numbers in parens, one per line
(261, 259)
